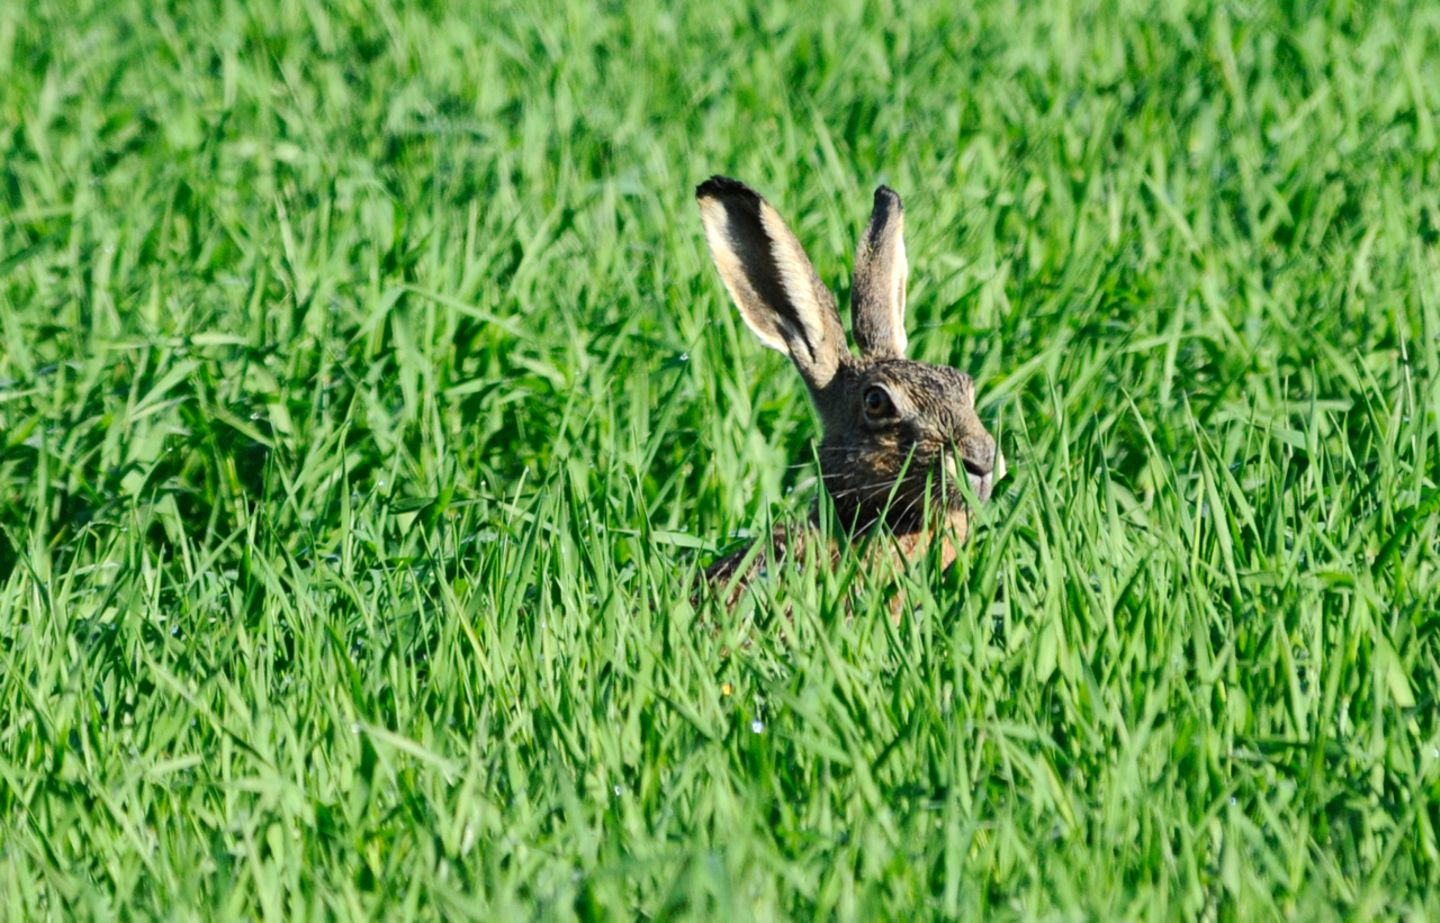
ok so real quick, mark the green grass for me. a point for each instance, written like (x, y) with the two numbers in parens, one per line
(368, 403)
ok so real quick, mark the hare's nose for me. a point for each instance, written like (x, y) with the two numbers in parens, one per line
(982, 457)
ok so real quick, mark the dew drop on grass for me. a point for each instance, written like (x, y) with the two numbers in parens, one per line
(757, 726)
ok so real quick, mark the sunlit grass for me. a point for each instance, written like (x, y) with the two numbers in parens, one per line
(368, 404)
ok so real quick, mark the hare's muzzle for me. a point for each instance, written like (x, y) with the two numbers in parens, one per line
(984, 464)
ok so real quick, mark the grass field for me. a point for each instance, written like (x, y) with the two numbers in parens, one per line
(368, 402)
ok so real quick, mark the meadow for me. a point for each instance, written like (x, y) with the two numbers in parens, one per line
(368, 404)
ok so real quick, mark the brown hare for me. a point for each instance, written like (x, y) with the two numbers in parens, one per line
(896, 433)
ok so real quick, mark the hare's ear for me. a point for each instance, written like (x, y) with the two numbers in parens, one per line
(877, 302)
(771, 280)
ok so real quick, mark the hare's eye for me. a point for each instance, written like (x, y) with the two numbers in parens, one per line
(877, 403)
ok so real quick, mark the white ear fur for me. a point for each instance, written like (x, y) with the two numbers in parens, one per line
(813, 302)
(762, 323)
(770, 279)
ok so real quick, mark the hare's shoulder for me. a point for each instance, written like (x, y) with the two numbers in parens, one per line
(732, 574)
(884, 554)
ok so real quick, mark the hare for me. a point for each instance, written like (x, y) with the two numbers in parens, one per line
(896, 432)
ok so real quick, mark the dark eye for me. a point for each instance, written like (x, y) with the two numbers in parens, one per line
(877, 403)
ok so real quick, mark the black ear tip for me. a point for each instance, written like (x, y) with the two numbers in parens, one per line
(720, 186)
(887, 200)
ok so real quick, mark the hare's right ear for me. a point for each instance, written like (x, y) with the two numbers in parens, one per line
(771, 280)
(877, 296)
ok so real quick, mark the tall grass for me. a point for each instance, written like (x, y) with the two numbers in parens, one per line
(368, 404)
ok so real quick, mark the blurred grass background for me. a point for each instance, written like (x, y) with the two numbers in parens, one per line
(367, 403)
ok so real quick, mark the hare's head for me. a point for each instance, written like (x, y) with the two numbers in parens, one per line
(897, 433)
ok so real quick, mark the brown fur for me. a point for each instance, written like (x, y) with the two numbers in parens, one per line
(896, 433)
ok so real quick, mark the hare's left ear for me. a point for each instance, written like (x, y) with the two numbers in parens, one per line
(877, 295)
